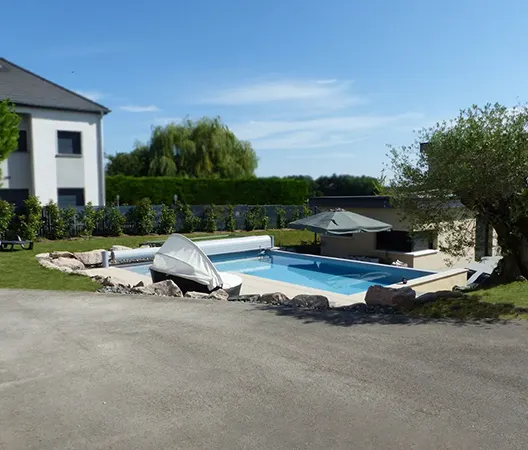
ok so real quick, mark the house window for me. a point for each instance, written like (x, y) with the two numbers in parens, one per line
(70, 197)
(396, 241)
(69, 142)
(22, 141)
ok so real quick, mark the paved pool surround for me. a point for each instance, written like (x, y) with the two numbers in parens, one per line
(444, 280)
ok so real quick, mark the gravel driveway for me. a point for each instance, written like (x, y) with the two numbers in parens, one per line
(88, 371)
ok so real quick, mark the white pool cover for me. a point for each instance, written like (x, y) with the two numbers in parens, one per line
(181, 257)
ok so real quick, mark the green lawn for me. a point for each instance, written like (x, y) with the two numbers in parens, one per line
(500, 302)
(19, 269)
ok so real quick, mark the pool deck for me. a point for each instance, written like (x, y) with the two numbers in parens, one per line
(250, 285)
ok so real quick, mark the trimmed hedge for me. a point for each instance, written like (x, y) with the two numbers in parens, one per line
(192, 191)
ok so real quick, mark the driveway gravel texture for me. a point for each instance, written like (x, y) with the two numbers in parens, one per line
(102, 371)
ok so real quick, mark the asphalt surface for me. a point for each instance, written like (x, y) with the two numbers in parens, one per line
(88, 371)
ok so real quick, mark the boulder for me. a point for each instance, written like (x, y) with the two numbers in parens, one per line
(55, 255)
(310, 301)
(106, 281)
(166, 288)
(219, 294)
(194, 294)
(275, 298)
(71, 263)
(253, 298)
(46, 262)
(119, 247)
(90, 259)
(385, 296)
(431, 297)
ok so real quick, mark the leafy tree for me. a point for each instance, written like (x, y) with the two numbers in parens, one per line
(190, 221)
(89, 217)
(9, 121)
(31, 220)
(167, 220)
(230, 221)
(134, 164)
(198, 149)
(55, 225)
(345, 185)
(281, 218)
(209, 219)
(113, 220)
(68, 217)
(7, 212)
(142, 217)
(479, 159)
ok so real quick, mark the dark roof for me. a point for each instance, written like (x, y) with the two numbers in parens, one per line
(354, 201)
(24, 88)
(361, 201)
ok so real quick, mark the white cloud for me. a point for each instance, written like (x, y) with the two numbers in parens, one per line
(139, 109)
(92, 95)
(329, 93)
(342, 125)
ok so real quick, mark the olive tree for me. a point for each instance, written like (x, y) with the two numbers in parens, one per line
(480, 160)
(9, 121)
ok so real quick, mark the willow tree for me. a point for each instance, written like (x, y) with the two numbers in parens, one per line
(205, 148)
(480, 160)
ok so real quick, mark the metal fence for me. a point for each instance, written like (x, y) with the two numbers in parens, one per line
(240, 212)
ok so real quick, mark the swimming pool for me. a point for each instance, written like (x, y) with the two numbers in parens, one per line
(329, 274)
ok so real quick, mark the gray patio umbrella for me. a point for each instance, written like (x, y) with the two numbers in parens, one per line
(339, 222)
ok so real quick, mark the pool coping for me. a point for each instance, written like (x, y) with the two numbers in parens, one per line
(253, 284)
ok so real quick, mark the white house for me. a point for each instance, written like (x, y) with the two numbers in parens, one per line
(60, 148)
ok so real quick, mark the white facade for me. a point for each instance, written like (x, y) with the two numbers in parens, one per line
(42, 170)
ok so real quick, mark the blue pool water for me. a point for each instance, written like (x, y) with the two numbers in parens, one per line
(339, 276)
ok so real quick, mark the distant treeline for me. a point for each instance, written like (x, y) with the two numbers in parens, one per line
(339, 185)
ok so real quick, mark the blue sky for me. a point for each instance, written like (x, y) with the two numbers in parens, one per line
(317, 87)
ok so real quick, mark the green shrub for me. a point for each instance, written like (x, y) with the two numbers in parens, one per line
(167, 220)
(68, 218)
(142, 217)
(263, 218)
(89, 217)
(306, 211)
(31, 220)
(113, 221)
(55, 222)
(256, 218)
(230, 221)
(7, 212)
(190, 221)
(281, 218)
(210, 216)
(193, 191)
(296, 215)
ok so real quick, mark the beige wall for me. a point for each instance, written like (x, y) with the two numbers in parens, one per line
(364, 244)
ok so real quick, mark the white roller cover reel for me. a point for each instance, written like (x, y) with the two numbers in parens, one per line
(236, 245)
(135, 253)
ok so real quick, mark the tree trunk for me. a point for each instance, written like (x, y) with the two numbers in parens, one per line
(514, 244)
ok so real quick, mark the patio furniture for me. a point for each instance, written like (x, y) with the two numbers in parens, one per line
(340, 222)
(14, 240)
(183, 262)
